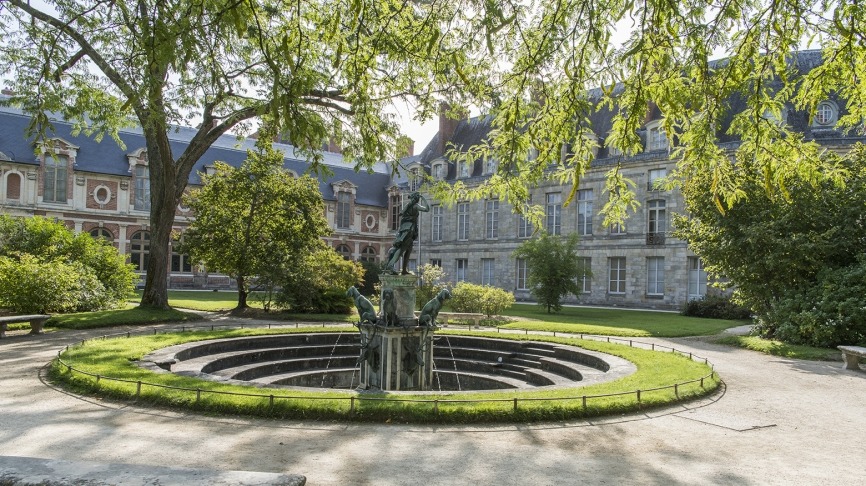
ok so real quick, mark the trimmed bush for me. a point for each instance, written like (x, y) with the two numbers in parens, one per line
(432, 282)
(484, 299)
(715, 307)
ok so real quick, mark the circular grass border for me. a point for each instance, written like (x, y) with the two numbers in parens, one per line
(106, 367)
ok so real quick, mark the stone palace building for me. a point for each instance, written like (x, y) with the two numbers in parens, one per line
(98, 188)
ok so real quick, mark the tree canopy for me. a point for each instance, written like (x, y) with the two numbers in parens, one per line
(255, 218)
(329, 68)
(797, 261)
(319, 69)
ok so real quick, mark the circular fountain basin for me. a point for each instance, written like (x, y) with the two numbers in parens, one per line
(329, 360)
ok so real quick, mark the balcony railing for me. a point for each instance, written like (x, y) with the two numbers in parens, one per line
(655, 239)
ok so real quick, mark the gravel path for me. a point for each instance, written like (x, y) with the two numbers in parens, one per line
(777, 421)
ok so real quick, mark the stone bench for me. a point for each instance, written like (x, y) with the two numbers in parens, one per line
(852, 355)
(37, 321)
(443, 317)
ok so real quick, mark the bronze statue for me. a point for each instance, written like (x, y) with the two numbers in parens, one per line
(389, 308)
(431, 309)
(365, 308)
(407, 233)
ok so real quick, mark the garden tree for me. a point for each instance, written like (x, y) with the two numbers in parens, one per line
(566, 59)
(796, 259)
(554, 268)
(254, 218)
(45, 267)
(320, 69)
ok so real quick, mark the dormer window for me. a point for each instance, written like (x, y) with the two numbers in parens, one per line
(655, 136)
(415, 179)
(490, 166)
(463, 168)
(438, 171)
(826, 114)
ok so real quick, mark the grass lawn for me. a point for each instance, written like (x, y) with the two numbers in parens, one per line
(778, 348)
(115, 358)
(614, 322)
(118, 317)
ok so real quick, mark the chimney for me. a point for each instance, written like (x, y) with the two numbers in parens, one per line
(333, 146)
(447, 125)
(405, 147)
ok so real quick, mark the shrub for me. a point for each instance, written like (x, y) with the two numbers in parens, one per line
(28, 285)
(105, 279)
(318, 283)
(826, 315)
(484, 299)
(432, 282)
(715, 307)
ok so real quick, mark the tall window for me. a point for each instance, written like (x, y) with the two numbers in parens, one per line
(584, 280)
(368, 254)
(345, 251)
(521, 274)
(139, 250)
(657, 216)
(584, 212)
(180, 262)
(462, 266)
(655, 178)
(697, 278)
(142, 188)
(395, 212)
(617, 229)
(55, 181)
(655, 278)
(436, 262)
(344, 210)
(436, 233)
(492, 219)
(617, 275)
(524, 227)
(102, 234)
(553, 213)
(488, 271)
(462, 221)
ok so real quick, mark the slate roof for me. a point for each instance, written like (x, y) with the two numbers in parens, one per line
(475, 130)
(106, 157)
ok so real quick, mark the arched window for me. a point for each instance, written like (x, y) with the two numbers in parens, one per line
(368, 254)
(826, 114)
(13, 186)
(103, 234)
(344, 251)
(139, 250)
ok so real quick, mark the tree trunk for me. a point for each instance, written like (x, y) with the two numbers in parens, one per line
(161, 220)
(242, 294)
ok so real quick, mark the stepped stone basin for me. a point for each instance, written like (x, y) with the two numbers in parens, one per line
(330, 360)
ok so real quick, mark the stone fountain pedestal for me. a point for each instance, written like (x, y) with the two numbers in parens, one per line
(396, 353)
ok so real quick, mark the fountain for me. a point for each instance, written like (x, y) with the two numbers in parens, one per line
(397, 347)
